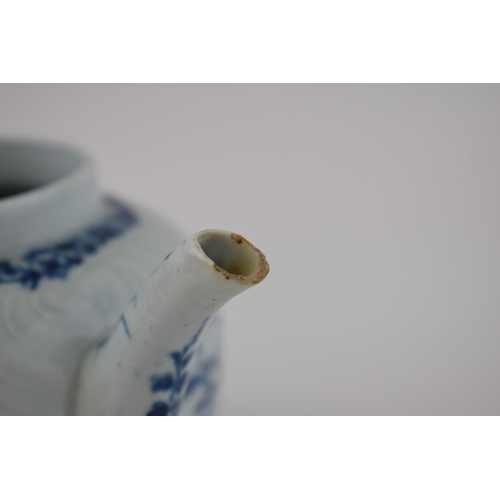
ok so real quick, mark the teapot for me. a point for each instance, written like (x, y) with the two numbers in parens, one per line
(105, 307)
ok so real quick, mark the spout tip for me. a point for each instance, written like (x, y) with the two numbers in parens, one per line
(234, 256)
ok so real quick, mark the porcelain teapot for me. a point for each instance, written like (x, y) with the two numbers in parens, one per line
(105, 308)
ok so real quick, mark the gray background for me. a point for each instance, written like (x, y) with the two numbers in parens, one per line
(378, 209)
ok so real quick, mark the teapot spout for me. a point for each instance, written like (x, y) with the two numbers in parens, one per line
(151, 348)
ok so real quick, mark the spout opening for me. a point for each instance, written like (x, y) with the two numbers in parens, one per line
(234, 256)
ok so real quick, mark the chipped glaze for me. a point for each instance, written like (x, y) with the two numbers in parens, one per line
(104, 309)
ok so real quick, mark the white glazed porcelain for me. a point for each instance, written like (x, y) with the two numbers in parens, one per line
(104, 308)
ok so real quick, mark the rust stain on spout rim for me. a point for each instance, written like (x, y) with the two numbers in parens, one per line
(234, 256)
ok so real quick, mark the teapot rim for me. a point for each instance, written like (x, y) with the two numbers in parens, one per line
(61, 193)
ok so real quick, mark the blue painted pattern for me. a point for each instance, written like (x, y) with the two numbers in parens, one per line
(56, 261)
(204, 382)
(174, 383)
(125, 326)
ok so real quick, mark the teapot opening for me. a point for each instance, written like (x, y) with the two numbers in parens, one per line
(11, 189)
(234, 256)
(47, 192)
(26, 165)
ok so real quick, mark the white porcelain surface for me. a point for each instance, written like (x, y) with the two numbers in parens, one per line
(141, 368)
(60, 194)
(64, 292)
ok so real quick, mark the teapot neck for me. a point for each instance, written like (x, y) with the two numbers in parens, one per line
(47, 191)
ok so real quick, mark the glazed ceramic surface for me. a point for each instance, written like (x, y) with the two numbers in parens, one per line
(105, 308)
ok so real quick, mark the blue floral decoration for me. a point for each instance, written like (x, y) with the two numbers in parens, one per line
(55, 262)
(203, 381)
(174, 383)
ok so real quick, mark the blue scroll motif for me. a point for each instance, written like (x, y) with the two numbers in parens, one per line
(174, 382)
(55, 262)
(203, 381)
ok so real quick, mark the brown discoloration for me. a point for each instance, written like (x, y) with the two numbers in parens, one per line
(262, 266)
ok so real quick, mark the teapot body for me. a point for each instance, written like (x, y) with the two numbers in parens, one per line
(62, 294)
